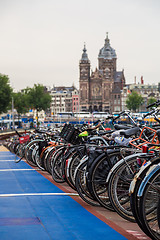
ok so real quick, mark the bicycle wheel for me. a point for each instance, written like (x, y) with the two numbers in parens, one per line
(28, 152)
(21, 150)
(38, 158)
(35, 152)
(46, 154)
(118, 187)
(158, 213)
(98, 176)
(49, 156)
(149, 204)
(20, 153)
(134, 199)
(41, 159)
(58, 165)
(80, 183)
(71, 166)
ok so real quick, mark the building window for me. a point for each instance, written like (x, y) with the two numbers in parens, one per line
(117, 109)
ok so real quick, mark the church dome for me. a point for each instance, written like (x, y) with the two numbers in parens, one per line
(107, 52)
(84, 54)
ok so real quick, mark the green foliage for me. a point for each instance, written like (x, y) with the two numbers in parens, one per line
(134, 100)
(38, 98)
(151, 100)
(21, 102)
(5, 93)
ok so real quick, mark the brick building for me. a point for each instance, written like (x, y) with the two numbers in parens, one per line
(101, 90)
(64, 99)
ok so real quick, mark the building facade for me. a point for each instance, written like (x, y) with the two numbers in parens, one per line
(101, 90)
(75, 101)
(64, 99)
(147, 91)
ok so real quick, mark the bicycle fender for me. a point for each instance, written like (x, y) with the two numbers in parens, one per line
(121, 162)
(100, 138)
(84, 159)
(152, 170)
(133, 183)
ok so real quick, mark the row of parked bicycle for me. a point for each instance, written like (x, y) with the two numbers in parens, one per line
(118, 169)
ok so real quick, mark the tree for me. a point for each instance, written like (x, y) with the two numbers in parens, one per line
(5, 93)
(21, 103)
(134, 100)
(151, 100)
(38, 98)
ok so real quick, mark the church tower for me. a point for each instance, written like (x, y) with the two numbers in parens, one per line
(107, 59)
(100, 90)
(84, 67)
(107, 66)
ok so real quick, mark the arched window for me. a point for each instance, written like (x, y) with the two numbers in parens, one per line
(107, 71)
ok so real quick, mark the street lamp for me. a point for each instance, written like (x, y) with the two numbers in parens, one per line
(13, 113)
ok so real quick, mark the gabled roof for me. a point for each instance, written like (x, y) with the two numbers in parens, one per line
(118, 76)
(96, 74)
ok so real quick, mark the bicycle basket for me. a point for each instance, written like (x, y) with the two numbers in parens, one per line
(140, 141)
(24, 139)
(64, 129)
(74, 139)
(71, 134)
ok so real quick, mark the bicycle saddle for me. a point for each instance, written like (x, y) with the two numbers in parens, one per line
(121, 126)
(129, 132)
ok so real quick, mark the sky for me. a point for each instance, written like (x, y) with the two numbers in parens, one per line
(41, 41)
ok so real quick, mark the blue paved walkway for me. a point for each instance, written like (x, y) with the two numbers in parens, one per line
(45, 217)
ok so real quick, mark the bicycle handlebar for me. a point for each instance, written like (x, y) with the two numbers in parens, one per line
(18, 133)
(151, 112)
(97, 121)
(157, 103)
(127, 113)
(121, 113)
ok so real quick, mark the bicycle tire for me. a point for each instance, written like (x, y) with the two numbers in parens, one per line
(81, 186)
(98, 178)
(57, 166)
(118, 188)
(149, 205)
(134, 199)
(71, 166)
